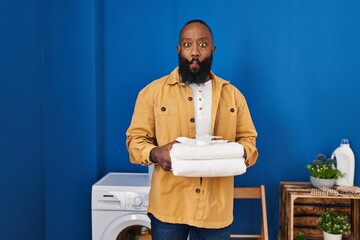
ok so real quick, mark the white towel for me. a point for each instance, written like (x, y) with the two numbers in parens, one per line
(218, 149)
(208, 168)
(218, 159)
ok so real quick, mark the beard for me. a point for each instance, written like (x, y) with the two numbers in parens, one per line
(194, 76)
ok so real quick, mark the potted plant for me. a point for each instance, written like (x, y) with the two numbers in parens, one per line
(334, 225)
(323, 172)
(300, 236)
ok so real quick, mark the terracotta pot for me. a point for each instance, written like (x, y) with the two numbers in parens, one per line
(329, 236)
(318, 182)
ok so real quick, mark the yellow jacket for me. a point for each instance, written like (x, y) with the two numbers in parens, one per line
(164, 110)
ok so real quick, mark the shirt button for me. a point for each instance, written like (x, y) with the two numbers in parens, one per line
(192, 120)
(232, 110)
(197, 190)
(190, 99)
(163, 109)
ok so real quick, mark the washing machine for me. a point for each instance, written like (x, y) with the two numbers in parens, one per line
(119, 204)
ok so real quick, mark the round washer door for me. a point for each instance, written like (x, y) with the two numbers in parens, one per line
(125, 224)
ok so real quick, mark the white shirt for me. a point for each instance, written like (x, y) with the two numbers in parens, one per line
(202, 94)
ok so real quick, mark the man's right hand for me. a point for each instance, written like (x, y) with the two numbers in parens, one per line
(161, 156)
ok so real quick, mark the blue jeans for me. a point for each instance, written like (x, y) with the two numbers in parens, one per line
(169, 231)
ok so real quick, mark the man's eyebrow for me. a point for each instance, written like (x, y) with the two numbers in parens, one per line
(202, 38)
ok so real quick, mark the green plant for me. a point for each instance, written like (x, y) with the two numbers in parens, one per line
(334, 223)
(300, 236)
(324, 168)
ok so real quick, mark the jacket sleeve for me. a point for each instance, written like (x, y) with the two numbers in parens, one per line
(140, 136)
(246, 133)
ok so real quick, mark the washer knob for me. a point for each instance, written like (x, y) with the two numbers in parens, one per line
(137, 201)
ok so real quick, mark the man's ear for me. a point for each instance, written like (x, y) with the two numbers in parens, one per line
(178, 49)
(213, 49)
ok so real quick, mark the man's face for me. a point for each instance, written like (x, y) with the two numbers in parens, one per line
(195, 52)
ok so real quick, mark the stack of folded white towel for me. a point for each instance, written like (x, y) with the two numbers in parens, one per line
(218, 159)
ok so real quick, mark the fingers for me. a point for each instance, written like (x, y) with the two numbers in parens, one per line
(162, 156)
(166, 165)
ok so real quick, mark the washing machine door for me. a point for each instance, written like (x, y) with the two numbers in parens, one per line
(129, 227)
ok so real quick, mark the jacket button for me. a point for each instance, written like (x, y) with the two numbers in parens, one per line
(190, 99)
(163, 109)
(232, 110)
(197, 190)
(192, 120)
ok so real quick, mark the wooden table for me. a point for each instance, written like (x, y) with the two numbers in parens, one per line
(300, 210)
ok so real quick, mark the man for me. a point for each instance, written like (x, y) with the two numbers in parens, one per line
(190, 100)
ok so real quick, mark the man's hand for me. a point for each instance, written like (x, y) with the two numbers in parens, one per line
(161, 156)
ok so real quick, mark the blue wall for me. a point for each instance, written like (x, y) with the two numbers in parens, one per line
(70, 72)
(70, 117)
(21, 146)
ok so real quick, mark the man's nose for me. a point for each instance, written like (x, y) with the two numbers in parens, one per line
(195, 51)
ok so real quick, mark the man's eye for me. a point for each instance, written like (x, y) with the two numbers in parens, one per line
(187, 44)
(202, 44)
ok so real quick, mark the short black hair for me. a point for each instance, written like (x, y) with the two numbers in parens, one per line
(198, 21)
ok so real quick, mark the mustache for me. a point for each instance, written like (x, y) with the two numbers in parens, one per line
(194, 60)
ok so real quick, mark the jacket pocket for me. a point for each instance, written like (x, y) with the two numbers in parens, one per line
(226, 122)
(167, 123)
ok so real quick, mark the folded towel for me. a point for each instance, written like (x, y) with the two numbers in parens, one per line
(218, 149)
(192, 142)
(208, 168)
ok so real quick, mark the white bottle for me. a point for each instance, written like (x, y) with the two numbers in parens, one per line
(345, 162)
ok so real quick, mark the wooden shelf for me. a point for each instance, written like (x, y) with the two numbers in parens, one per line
(300, 210)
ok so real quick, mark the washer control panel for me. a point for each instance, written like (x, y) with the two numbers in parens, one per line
(137, 201)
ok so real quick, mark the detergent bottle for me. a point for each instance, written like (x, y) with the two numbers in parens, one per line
(345, 161)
